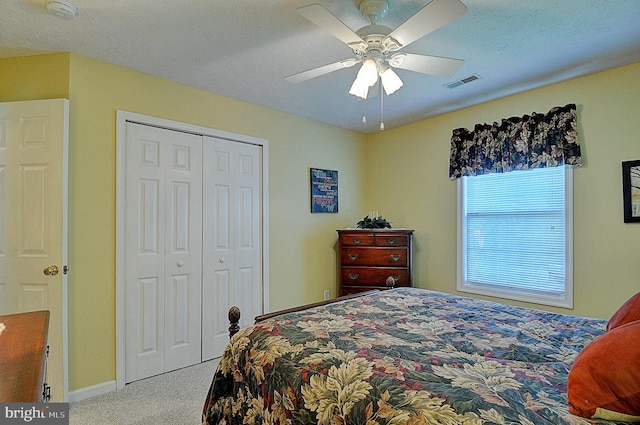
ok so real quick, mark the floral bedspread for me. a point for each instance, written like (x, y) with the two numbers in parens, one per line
(404, 356)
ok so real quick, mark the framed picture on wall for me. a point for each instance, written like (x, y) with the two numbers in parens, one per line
(324, 191)
(631, 191)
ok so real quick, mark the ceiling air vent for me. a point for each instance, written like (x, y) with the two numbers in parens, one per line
(466, 80)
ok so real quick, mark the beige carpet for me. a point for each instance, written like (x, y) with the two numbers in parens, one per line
(173, 398)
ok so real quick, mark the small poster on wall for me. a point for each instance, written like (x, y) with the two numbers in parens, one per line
(631, 191)
(324, 191)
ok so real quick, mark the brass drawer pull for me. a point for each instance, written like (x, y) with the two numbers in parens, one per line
(353, 257)
(353, 276)
(357, 241)
(391, 241)
(395, 257)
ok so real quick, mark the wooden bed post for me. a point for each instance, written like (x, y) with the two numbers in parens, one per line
(234, 320)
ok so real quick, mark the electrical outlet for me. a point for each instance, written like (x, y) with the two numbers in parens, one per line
(327, 294)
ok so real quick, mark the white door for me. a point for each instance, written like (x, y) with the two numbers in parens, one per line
(33, 221)
(163, 250)
(232, 245)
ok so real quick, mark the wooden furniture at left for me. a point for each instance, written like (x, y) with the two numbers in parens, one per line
(23, 357)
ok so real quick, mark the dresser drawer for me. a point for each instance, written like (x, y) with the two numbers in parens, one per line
(394, 257)
(373, 276)
(348, 290)
(390, 240)
(355, 239)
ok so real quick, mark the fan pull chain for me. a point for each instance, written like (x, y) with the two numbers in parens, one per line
(381, 108)
(364, 116)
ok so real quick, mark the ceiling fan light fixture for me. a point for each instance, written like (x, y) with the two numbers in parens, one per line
(390, 80)
(376, 46)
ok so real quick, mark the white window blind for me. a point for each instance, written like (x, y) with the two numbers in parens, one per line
(516, 235)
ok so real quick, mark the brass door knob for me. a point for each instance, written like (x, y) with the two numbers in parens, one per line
(51, 270)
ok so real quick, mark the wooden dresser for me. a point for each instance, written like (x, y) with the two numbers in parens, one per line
(23, 357)
(368, 258)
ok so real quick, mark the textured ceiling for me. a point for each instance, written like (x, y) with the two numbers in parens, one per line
(243, 49)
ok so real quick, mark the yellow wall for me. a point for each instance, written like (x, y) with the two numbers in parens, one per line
(412, 188)
(403, 173)
(302, 256)
(34, 77)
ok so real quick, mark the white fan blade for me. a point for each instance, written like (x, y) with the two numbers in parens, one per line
(434, 15)
(432, 65)
(316, 72)
(325, 20)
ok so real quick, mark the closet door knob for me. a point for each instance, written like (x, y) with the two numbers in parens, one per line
(51, 270)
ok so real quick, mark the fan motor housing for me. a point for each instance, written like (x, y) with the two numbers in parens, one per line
(372, 31)
(376, 38)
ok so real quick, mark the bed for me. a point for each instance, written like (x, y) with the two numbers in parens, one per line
(404, 356)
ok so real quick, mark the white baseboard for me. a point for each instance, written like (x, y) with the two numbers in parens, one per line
(92, 391)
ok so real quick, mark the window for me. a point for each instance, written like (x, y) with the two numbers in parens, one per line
(515, 237)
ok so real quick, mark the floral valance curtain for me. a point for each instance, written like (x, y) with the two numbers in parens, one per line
(532, 141)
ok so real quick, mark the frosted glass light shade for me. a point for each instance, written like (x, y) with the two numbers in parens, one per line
(390, 81)
(359, 88)
(368, 73)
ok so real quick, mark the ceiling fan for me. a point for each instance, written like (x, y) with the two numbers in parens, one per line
(377, 46)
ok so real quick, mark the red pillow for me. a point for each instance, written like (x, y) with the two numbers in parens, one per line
(629, 312)
(604, 381)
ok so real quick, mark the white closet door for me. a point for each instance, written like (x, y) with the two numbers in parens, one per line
(163, 250)
(232, 220)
